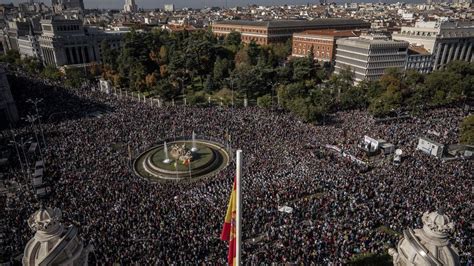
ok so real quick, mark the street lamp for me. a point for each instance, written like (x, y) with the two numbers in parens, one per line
(32, 119)
(231, 81)
(17, 150)
(35, 102)
(273, 84)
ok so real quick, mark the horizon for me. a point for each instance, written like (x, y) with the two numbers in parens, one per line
(153, 4)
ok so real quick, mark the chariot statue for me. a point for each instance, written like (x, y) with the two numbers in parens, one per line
(181, 153)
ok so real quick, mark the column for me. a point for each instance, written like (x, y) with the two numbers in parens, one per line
(451, 53)
(74, 55)
(68, 56)
(443, 58)
(456, 53)
(469, 51)
(71, 56)
(437, 57)
(76, 51)
(81, 55)
(463, 50)
(53, 54)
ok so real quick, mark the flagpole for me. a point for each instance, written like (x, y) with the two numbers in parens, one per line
(238, 207)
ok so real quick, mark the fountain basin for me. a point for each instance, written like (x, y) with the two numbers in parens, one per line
(208, 159)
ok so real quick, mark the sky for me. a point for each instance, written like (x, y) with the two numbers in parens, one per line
(149, 4)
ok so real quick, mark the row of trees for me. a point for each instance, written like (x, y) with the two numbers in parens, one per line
(72, 77)
(396, 91)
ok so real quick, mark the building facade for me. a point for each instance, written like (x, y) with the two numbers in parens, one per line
(28, 46)
(130, 6)
(322, 42)
(368, 56)
(8, 110)
(169, 7)
(68, 42)
(279, 31)
(446, 41)
(419, 59)
(61, 5)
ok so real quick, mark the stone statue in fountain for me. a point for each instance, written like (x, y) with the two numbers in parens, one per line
(181, 153)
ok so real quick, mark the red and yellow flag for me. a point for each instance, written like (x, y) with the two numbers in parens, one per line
(229, 228)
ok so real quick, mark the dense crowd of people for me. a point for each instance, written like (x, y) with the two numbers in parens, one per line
(338, 210)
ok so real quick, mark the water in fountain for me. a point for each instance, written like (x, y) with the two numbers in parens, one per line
(194, 148)
(167, 158)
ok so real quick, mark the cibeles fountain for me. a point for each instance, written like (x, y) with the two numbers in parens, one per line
(184, 158)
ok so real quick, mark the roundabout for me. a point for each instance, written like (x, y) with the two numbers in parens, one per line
(181, 160)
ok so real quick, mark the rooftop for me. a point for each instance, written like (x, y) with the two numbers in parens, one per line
(333, 33)
(295, 23)
(413, 49)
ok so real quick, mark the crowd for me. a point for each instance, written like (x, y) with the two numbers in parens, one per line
(338, 211)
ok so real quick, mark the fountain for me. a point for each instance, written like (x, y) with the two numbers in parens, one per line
(194, 148)
(167, 158)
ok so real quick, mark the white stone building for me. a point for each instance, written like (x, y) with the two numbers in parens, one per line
(446, 41)
(130, 6)
(68, 42)
(368, 56)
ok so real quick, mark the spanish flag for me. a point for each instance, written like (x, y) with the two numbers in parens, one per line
(229, 228)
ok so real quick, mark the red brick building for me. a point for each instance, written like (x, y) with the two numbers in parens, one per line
(323, 43)
(279, 31)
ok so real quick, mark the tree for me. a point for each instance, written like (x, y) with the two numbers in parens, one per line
(51, 72)
(302, 69)
(265, 101)
(233, 39)
(74, 77)
(253, 51)
(467, 130)
(221, 69)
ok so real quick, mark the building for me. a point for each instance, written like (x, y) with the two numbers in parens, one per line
(446, 41)
(130, 6)
(61, 5)
(419, 59)
(429, 245)
(8, 111)
(53, 243)
(169, 8)
(68, 42)
(16, 29)
(369, 55)
(323, 43)
(279, 31)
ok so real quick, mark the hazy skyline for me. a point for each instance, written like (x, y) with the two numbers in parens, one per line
(148, 4)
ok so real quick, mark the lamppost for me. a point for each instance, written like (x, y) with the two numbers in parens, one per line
(22, 145)
(17, 150)
(35, 102)
(273, 84)
(32, 119)
(231, 81)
